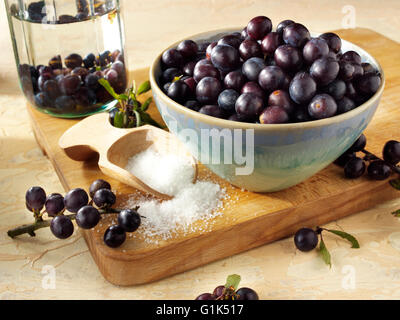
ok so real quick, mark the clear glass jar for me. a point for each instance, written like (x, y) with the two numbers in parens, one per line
(62, 48)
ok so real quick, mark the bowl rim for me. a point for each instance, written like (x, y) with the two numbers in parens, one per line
(213, 121)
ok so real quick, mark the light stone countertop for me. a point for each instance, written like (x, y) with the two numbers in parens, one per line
(275, 271)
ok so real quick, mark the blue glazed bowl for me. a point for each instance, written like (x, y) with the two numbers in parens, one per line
(283, 155)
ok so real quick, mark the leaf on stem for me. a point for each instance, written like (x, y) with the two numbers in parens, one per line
(144, 87)
(395, 183)
(347, 236)
(109, 88)
(119, 119)
(396, 213)
(146, 104)
(233, 281)
(326, 256)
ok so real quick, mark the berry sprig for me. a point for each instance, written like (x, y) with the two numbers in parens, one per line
(378, 168)
(86, 213)
(129, 111)
(306, 239)
(230, 291)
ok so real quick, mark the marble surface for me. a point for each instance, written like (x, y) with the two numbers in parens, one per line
(275, 271)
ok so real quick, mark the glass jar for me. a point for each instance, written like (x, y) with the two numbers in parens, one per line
(62, 48)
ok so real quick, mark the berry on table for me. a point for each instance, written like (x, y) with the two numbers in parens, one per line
(97, 185)
(391, 152)
(129, 220)
(35, 198)
(54, 204)
(306, 239)
(104, 198)
(62, 227)
(87, 217)
(354, 168)
(114, 236)
(75, 199)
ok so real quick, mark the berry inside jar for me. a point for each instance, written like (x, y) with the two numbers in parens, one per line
(268, 77)
(62, 56)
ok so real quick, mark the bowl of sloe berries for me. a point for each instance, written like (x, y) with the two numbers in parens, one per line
(306, 96)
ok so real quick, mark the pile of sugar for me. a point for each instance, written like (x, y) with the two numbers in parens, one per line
(173, 175)
(166, 173)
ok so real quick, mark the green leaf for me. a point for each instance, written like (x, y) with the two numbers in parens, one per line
(144, 87)
(147, 119)
(119, 119)
(146, 104)
(396, 213)
(123, 96)
(326, 256)
(109, 88)
(138, 118)
(395, 183)
(233, 281)
(347, 236)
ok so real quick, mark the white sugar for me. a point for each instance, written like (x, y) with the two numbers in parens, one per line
(166, 173)
(192, 202)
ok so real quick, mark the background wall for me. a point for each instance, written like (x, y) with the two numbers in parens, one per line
(153, 24)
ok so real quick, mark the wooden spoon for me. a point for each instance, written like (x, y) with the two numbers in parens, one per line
(115, 146)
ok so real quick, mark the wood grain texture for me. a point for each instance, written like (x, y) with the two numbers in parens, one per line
(251, 219)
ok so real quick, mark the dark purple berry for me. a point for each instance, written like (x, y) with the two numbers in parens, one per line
(333, 40)
(344, 158)
(234, 80)
(35, 197)
(227, 99)
(271, 42)
(54, 204)
(213, 111)
(249, 105)
(225, 57)
(351, 56)
(322, 106)
(282, 99)
(129, 220)
(254, 88)
(274, 115)
(306, 239)
(354, 168)
(252, 67)
(187, 48)
(296, 35)
(302, 88)
(250, 48)
(172, 58)
(259, 27)
(206, 296)
(324, 71)
(114, 236)
(359, 144)
(87, 217)
(247, 294)
(314, 49)
(288, 58)
(75, 199)
(271, 78)
(282, 25)
(345, 105)
(391, 152)
(379, 170)
(62, 227)
(208, 90)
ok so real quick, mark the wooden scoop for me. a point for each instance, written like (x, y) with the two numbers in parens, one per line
(115, 146)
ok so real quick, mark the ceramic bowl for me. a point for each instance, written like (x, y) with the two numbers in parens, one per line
(284, 154)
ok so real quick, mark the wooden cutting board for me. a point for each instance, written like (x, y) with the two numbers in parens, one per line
(249, 219)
